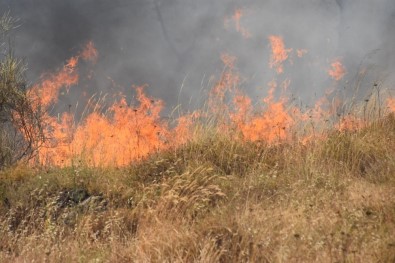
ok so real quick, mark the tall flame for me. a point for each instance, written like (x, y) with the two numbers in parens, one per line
(279, 53)
(391, 104)
(125, 133)
(236, 20)
(337, 70)
(271, 124)
(90, 52)
(237, 16)
(47, 91)
(128, 132)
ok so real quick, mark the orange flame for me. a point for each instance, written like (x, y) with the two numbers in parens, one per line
(236, 19)
(124, 134)
(391, 104)
(272, 124)
(337, 70)
(279, 53)
(228, 82)
(301, 52)
(90, 52)
(47, 92)
(128, 132)
(351, 123)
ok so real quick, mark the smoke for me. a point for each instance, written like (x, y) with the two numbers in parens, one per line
(174, 46)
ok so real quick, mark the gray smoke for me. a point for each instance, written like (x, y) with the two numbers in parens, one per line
(172, 43)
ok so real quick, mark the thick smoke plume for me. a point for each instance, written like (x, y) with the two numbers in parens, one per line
(174, 46)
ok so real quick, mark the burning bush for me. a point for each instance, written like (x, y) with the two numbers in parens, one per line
(20, 119)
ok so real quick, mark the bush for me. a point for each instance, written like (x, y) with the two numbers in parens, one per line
(20, 116)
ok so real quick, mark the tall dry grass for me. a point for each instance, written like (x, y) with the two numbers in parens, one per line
(215, 199)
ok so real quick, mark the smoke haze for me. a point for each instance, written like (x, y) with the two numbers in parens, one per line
(167, 44)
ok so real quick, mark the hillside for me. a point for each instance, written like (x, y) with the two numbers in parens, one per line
(213, 199)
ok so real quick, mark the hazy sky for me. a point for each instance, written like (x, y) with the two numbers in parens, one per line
(164, 43)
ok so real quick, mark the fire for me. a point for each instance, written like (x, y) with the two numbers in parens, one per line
(337, 70)
(228, 83)
(127, 132)
(236, 20)
(351, 123)
(124, 134)
(90, 52)
(184, 130)
(47, 92)
(301, 52)
(271, 124)
(279, 53)
(72, 63)
(391, 104)
(228, 80)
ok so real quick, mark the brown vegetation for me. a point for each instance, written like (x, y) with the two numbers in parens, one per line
(212, 200)
(228, 184)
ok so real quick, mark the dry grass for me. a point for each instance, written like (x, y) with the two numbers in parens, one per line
(212, 200)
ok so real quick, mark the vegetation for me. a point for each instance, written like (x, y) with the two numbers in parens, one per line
(212, 200)
(20, 117)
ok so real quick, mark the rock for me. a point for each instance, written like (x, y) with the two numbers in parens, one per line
(94, 203)
(71, 197)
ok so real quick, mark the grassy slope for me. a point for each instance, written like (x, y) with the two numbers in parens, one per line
(213, 200)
